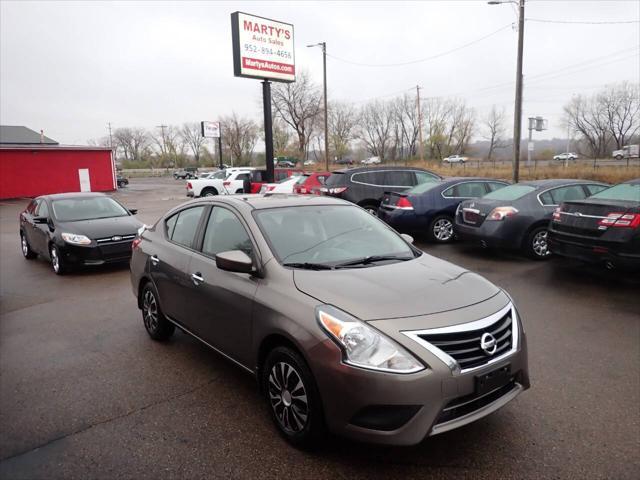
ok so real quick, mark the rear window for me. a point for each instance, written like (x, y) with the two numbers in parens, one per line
(512, 192)
(336, 178)
(624, 191)
(423, 187)
(302, 179)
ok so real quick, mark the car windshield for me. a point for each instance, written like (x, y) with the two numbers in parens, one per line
(511, 192)
(623, 191)
(328, 235)
(423, 187)
(87, 208)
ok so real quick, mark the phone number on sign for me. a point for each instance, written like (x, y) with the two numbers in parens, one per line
(266, 51)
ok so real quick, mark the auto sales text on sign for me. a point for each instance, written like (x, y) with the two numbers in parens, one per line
(262, 48)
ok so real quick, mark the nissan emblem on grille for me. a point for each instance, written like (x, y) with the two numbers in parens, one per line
(116, 238)
(488, 343)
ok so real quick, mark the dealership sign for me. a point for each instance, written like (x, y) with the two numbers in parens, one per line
(262, 48)
(210, 129)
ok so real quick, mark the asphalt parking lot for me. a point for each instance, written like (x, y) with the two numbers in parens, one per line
(84, 393)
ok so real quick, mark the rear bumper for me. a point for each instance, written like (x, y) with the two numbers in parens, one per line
(492, 234)
(593, 251)
(402, 220)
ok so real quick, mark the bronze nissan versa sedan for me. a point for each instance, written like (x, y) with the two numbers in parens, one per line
(344, 323)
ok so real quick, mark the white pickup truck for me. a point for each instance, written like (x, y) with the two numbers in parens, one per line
(232, 181)
(628, 151)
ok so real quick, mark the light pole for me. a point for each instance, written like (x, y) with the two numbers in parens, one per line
(517, 120)
(326, 112)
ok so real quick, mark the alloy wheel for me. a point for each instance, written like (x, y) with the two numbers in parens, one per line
(150, 311)
(55, 260)
(288, 397)
(25, 246)
(539, 244)
(443, 230)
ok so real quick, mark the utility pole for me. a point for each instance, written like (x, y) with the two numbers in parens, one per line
(326, 111)
(164, 142)
(420, 145)
(517, 120)
(113, 153)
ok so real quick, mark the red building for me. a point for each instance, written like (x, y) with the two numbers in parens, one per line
(32, 164)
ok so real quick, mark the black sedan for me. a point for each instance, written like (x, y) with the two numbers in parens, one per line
(604, 228)
(77, 229)
(431, 207)
(516, 217)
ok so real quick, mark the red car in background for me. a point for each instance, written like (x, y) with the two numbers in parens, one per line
(310, 183)
(258, 177)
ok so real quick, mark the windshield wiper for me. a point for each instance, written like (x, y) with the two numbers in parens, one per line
(309, 266)
(372, 259)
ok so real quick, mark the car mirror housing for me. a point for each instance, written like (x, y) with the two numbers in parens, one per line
(407, 238)
(133, 211)
(234, 261)
(40, 220)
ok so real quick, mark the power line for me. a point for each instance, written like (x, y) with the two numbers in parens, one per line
(576, 22)
(432, 57)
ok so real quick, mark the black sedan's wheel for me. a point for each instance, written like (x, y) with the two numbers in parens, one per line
(537, 247)
(26, 248)
(292, 397)
(157, 325)
(441, 229)
(57, 262)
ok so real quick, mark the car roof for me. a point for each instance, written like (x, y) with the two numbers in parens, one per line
(556, 182)
(380, 167)
(449, 180)
(272, 200)
(60, 196)
(633, 181)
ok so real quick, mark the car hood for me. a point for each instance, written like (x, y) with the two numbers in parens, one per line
(422, 286)
(102, 227)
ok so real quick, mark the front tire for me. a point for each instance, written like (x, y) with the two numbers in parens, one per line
(156, 324)
(441, 229)
(57, 262)
(292, 397)
(26, 248)
(537, 247)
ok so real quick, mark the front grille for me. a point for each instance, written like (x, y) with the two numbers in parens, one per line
(464, 346)
(116, 239)
(470, 403)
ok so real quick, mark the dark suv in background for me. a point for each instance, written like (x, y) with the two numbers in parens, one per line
(366, 186)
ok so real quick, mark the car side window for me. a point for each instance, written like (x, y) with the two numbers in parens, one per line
(470, 190)
(186, 224)
(546, 198)
(565, 194)
(277, 176)
(399, 178)
(424, 177)
(493, 186)
(321, 179)
(448, 192)
(32, 207)
(225, 232)
(42, 210)
(593, 189)
(243, 176)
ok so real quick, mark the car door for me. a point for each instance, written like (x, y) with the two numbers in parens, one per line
(169, 261)
(222, 302)
(40, 232)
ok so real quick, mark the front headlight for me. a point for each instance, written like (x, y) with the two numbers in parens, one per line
(364, 346)
(76, 239)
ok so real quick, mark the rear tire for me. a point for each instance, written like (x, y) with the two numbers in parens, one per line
(292, 397)
(26, 248)
(209, 192)
(441, 229)
(57, 262)
(156, 324)
(536, 246)
(371, 208)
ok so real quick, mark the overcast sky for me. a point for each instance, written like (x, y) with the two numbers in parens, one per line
(71, 67)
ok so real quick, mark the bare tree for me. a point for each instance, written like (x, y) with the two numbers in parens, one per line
(406, 126)
(450, 125)
(192, 137)
(587, 118)
(376, 126)
(342, 122)
(495, 124)
(240, 137)
(170, 146)
(298, 104)
(281, 137)
(621, 106)
(132, 142)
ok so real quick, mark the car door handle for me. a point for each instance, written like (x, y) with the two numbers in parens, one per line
(197, 278)
(155, 260)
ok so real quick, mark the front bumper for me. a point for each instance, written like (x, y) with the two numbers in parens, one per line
(594, 251)
(114, 252)
(421, 404)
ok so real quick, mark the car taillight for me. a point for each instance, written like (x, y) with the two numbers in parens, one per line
(500, 213)
(136, 242)
(189, 186)
(620, 219)
(556, 214)
(335, 190)
(403, 203)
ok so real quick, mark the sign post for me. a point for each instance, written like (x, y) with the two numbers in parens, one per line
(212, 130)
(263, 49)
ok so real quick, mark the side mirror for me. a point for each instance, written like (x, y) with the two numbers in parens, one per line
(133, 211)
(407, 238)
(40, 220)
(234, 261)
